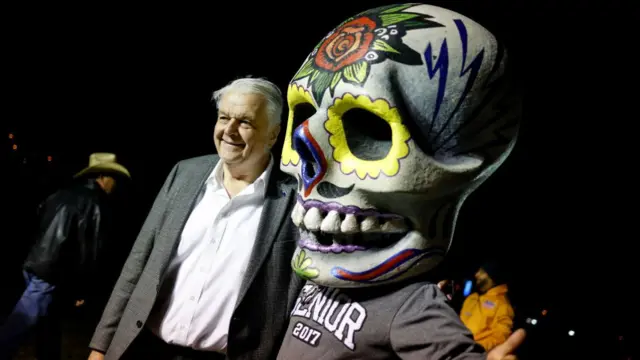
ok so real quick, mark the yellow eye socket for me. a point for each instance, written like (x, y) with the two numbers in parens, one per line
(367, 136)
(301, 108)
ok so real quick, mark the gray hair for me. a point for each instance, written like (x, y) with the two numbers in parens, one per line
(260, 86)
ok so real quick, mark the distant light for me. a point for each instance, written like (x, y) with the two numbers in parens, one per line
(10, 136)
(571, 332)
(534, 321)
(467, 288)
(544, 312)
(528, 320)
(49, 158)
(14, 147)
(620, 337)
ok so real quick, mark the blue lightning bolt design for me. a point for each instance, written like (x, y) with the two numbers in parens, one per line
(441, 66)
(472, 69)
(495, 88)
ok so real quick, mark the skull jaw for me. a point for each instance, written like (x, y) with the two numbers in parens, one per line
(412, 255)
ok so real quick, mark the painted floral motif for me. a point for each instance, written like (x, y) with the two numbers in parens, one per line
(346, 46)
(295, 95)
(301, 264)
(349, 163)
(347, 53)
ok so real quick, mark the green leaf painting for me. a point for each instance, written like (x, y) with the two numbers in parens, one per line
(347, 53)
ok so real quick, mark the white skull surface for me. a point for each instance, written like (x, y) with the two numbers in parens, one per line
(394, 118)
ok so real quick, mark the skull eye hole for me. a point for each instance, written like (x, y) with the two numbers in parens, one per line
(301, 112)
(368, 136)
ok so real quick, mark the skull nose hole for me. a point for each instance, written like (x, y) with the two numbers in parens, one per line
(314, 163)
(308, 163)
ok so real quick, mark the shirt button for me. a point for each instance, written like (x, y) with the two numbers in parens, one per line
(192, 298)
(139, 324)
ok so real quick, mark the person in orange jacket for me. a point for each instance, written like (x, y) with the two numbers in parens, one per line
(488, 313)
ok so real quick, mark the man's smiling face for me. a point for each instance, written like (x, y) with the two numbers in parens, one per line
(242, 133)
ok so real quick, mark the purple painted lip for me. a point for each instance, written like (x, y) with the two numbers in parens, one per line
(333, 248)
(350, 209)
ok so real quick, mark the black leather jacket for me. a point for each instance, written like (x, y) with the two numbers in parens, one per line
(71, 235)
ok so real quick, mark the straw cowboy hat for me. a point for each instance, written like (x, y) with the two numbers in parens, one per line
(103, 162)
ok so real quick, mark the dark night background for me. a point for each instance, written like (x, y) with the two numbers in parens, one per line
(138, 82)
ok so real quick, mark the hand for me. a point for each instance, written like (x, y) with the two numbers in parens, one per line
(504, 351)
(79, 303)
(441, 285)
(96, 355)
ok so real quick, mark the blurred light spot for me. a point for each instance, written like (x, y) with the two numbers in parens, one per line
(620, 337)
(10, 136)
(571, 332)
(534, 321)
(528, 320)
(49, 158)
(467, 288)
(14, 147)
(544, 312)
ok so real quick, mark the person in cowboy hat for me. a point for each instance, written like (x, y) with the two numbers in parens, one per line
(61, 269)
(103, 166)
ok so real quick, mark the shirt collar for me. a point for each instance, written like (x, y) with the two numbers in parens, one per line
(259, 185)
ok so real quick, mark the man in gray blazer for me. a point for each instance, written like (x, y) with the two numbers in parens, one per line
(209, 275)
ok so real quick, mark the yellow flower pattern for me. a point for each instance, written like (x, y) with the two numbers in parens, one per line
(295, 95)
(349, 163)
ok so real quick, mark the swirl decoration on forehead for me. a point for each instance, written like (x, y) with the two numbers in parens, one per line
(371, 37)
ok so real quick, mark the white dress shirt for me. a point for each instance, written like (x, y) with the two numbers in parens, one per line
(202, 282)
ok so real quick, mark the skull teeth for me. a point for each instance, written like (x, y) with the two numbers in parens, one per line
(297, 215)
(370, 224)
(333, 222)
(313, 219)
(350, 225)
(394, 226)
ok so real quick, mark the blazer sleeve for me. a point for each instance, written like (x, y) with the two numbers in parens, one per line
(132, 269)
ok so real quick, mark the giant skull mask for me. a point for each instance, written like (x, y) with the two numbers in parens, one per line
(394, 118)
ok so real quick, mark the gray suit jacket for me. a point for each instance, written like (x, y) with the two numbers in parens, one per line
(268, 291)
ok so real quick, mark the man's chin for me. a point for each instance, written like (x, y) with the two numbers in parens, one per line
(230, 158)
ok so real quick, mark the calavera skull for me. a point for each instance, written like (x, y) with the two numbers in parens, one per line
(395, 117)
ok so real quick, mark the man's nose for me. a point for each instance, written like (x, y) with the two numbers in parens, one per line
(231, 127)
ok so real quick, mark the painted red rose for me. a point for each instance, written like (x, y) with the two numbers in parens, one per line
(346, 45)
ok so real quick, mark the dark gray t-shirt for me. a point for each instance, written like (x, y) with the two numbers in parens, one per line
(406, 322)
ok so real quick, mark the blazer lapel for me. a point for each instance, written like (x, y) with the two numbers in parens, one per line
(180, 207)
(273, 216)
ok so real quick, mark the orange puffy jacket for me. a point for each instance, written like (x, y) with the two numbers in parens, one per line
(489, 316)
